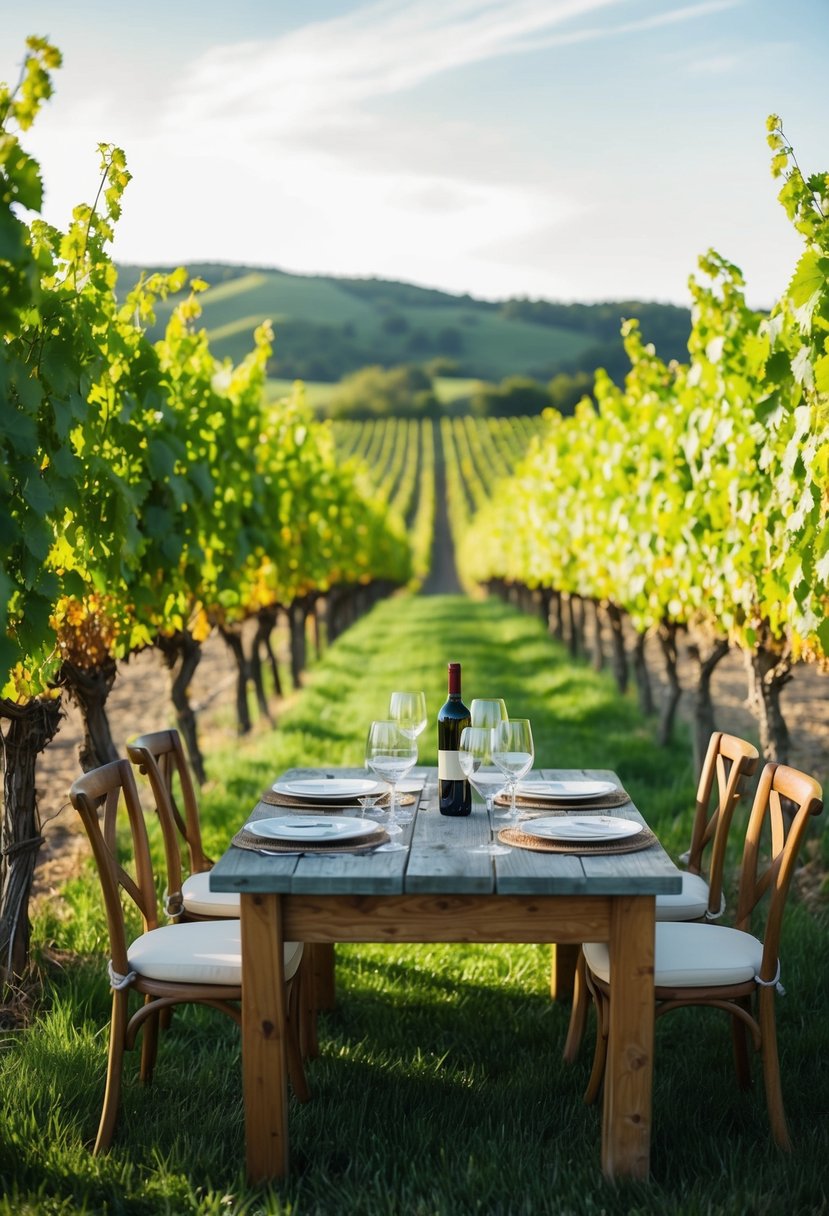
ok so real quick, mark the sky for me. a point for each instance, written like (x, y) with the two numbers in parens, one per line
(574, 150)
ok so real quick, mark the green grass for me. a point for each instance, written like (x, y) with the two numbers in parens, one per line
(440, 1090)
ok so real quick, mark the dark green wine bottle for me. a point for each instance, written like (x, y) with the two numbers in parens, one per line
(454, 794)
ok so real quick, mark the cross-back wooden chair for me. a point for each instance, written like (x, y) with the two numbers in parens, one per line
(729, 762)
(160, 757)
(169, 965)
(729, 968)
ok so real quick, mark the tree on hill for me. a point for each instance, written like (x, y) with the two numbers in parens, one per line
(374, 391)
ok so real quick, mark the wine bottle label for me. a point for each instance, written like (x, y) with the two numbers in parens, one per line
(449, 768)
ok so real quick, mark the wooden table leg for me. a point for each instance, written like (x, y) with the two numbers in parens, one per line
(563, 960)
(264, 1057)
(626, 1122)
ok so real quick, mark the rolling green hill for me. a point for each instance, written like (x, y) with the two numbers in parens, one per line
(326, 327)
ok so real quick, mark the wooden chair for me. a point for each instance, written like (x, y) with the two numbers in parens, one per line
(169, 965)
(729, 761)
(160, 757)
(713, 965)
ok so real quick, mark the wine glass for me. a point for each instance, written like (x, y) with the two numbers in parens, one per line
(408, 710)
(488, 711)
(475, 759)
(390, 754)
(513, 754)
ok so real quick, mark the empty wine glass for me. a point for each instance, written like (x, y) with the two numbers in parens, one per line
(513, 753)
(390, 754)
(475, 759)
(408, 710)
(488, 711)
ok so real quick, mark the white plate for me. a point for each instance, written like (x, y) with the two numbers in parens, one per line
(581, 827)
(565, 791)
(412, 786)
(311, 827)
(328, 789)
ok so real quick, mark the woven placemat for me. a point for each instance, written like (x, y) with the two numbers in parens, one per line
(347, 804)
(632, 844)
(363, 844)
(553, 806)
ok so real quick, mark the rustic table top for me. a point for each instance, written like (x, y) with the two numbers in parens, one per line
(440, 858)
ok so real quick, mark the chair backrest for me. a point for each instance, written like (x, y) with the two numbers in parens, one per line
(784, 802)
(729, 761)
(160, 756)
(99, 796)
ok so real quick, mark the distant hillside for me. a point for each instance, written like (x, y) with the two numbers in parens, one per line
(326, 327)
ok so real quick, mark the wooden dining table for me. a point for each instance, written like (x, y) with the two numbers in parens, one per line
(440, 890)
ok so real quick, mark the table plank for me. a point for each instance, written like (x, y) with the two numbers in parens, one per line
(442, 850)
(446, 918)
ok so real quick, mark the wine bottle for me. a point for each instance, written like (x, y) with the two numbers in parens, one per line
(454, 795)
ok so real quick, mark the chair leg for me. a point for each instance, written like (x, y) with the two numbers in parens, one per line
(771, 1070)
(149, 1044)
(594, 1085)
(578, 1013)
(742, 1063)
(115, 1062)
(307, 1003)
(321, 963)
(296, 1070)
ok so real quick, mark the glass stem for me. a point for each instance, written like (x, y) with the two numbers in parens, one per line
(393, 802)
(513, 814)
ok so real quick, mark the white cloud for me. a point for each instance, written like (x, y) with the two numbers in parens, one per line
(713, 65)
(284, 152)
(313, 73)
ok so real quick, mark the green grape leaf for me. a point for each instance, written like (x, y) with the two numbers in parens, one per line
(161, 459)
(802, 369)
(38, 495)
(823, 635)
(37, 538)
(807, 284)
(822, 374)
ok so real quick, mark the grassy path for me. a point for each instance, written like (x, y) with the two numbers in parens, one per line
(439, 1091)
(578, 719)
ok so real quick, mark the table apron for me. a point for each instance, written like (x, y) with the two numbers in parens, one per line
(441, 918)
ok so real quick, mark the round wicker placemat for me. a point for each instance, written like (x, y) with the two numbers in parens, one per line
(555, 805)
(363, 844)
(632, 844)
(347, 804)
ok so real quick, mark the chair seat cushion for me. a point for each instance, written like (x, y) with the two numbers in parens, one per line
(692, 956)
(201, 901)
(691, 903)
(199, 952)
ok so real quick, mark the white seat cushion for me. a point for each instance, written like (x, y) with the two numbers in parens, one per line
(201, 901)
(691, 903)
(692, 956)
(200, 952)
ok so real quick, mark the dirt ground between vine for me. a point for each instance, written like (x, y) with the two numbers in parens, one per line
(139, 702)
